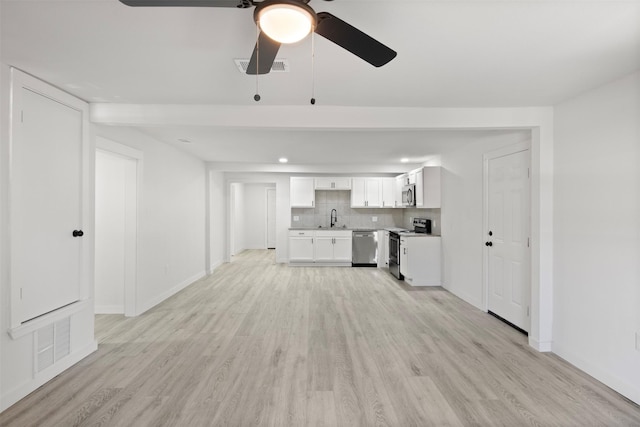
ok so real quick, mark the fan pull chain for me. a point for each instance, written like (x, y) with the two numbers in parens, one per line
(313, 73)
(256, 97)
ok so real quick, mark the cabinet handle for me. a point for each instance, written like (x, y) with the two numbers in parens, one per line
(77, 233)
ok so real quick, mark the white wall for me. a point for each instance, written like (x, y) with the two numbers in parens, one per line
(597, 233)
(255, 214)
(237, 218)
(17, 376)
(110, 232)
(461, 216)
(172, 233)
(217, 219)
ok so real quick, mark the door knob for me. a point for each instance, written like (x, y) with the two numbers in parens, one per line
(78, 233)
(488, 244)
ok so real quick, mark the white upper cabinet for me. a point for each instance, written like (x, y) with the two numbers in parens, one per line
(401, 180)
(366, 193)
(412, 177)
(389, 196)
(302, 192)
(428, 187)
(333, 183)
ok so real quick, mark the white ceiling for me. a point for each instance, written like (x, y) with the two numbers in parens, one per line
(338, 147)
(450, 54)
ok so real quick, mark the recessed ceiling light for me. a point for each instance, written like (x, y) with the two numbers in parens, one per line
(185, 140)
(404, 160)
(283, 160)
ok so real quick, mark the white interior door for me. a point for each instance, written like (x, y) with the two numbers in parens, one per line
(232, 220)
(116, 233)
(46, 264)
(271, 218)
(507, 239)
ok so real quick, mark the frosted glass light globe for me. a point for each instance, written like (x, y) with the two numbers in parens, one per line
(285, 23)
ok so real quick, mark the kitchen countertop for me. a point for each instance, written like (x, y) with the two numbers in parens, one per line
(333, 228)
(403, 231)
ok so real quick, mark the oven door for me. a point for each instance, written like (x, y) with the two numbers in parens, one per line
(394, 255)
(409, 195)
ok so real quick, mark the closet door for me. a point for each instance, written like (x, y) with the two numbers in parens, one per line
(46, 204)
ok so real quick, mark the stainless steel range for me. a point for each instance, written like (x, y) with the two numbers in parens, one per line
(394, 252)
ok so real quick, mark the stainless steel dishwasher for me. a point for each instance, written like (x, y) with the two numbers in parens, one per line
(364, 249)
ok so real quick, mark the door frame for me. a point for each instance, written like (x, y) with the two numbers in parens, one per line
(131, 280)
(20, 80)
(501, 152)
(266, 216)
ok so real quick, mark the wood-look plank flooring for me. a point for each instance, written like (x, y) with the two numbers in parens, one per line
(259, 343)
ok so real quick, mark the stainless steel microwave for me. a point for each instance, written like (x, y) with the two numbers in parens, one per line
(409, 195)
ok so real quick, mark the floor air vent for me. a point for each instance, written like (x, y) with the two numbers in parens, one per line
(279, 65)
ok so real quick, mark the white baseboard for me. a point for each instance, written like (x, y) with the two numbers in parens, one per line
(465, 297)
(168, 293)
(541, 346)
(621, 385)
(214, 266)
(46, 375)
(109, 309)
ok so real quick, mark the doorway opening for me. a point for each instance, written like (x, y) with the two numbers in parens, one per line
(252, 217)
(116, 228)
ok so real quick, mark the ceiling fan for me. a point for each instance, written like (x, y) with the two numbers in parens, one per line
(288, 21)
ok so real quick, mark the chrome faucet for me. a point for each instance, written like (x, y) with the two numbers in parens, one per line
(334, 217)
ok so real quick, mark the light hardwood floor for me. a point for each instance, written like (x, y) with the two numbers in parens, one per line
(258, 343)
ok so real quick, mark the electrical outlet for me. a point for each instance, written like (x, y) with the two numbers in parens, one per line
(374, 218)
(638, 341)
(296, 218)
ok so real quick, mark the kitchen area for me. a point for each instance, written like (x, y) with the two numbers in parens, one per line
(384, 222)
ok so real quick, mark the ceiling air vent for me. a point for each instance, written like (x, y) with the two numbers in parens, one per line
(279, 65)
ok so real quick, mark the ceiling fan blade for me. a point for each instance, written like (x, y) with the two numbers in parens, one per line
(263, 55)
(189, 3)
(353, 40)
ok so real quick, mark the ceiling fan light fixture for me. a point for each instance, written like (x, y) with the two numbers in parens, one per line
(286, 22)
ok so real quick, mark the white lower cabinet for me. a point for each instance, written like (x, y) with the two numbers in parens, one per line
(330, 247)
(342, 247)
(383, 248)
(420, 260)
(323, 249)
(301, 244)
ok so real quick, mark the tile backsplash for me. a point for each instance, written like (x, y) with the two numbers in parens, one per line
(340, 200)
(432, 214)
